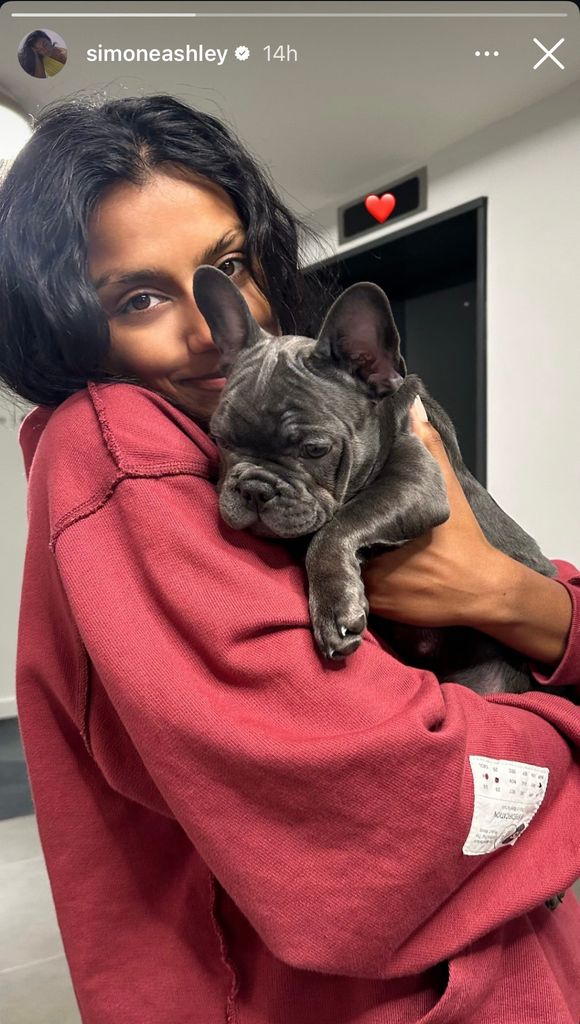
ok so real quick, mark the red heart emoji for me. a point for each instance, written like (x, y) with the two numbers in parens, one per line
(381, 208)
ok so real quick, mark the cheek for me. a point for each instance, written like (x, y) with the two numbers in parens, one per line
(260, 308)
(142, 349)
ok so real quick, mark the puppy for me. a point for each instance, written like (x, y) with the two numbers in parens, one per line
(315, 441)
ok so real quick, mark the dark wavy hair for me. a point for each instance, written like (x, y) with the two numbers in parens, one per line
(26, 54)
(54, 334)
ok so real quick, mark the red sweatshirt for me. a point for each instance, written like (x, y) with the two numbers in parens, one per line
(236, 831)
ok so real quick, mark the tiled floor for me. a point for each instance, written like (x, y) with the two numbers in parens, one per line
(35, 985)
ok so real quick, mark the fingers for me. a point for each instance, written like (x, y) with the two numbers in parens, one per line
(425, 430)
(432, 440)
(419, 410)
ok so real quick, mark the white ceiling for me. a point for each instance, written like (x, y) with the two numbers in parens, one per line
(368, 97)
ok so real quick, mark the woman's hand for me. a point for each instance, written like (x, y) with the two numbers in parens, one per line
(453, 576)
(437, 579)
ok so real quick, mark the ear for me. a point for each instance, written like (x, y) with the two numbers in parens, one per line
(359, 333)
(232, 326)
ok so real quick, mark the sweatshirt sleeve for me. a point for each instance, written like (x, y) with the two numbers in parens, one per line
(567, 671)
(332, 802)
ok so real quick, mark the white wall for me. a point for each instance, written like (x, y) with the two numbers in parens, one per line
(13, 528)
(529, 167)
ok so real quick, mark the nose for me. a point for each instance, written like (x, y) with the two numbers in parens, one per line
(256, 492)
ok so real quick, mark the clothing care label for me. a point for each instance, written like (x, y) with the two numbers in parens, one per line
(506, 796)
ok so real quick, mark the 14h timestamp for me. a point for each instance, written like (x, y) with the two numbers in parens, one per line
(281, 52)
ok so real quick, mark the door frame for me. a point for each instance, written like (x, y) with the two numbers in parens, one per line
(479, 206)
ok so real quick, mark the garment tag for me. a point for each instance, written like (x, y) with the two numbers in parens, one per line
(507, 794)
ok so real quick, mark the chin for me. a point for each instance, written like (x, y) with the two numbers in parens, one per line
(201, 404)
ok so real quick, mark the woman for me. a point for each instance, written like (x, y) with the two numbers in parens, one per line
(40, 56)
(233, 829)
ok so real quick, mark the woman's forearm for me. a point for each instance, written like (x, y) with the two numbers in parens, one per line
(525, 610)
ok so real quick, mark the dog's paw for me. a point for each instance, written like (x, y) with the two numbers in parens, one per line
(339, 618)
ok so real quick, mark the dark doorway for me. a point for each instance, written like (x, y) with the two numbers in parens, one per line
(434, 276)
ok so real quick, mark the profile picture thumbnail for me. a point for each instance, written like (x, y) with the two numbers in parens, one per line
(42, 53)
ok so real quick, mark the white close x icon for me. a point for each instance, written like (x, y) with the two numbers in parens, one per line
(549, 53)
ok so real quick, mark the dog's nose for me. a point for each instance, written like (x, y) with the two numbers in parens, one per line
(256, 492)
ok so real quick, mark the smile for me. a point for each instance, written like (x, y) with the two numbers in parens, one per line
(211, 382)
(208, 376)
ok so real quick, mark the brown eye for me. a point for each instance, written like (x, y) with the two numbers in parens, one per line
(130, 307)
(137, 299)
(228, 267)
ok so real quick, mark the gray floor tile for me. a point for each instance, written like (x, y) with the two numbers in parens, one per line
(28, 925)
(19, 839)
(39, 993)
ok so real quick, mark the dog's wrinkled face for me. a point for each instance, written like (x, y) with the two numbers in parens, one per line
(302, 424)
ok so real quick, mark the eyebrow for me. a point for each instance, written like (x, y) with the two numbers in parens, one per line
(147, 273)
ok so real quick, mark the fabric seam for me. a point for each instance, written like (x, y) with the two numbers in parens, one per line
(231, 1000)
(97, 501)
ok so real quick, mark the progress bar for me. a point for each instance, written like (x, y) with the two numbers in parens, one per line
(363, 14)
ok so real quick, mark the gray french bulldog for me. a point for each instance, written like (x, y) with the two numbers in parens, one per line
(315, 440)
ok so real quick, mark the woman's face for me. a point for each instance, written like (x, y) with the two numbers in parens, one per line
(157, 235)
(41, 46)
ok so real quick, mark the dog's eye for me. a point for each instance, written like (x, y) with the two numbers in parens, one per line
(219, 441)
(315, 450)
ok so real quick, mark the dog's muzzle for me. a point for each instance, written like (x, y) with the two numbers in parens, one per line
(254, 496)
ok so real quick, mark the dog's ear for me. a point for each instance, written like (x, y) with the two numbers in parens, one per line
(232, 326)
(359, 334)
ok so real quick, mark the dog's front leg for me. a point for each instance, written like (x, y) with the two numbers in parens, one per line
(408, 498)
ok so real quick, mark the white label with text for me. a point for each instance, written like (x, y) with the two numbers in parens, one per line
(506, 796)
